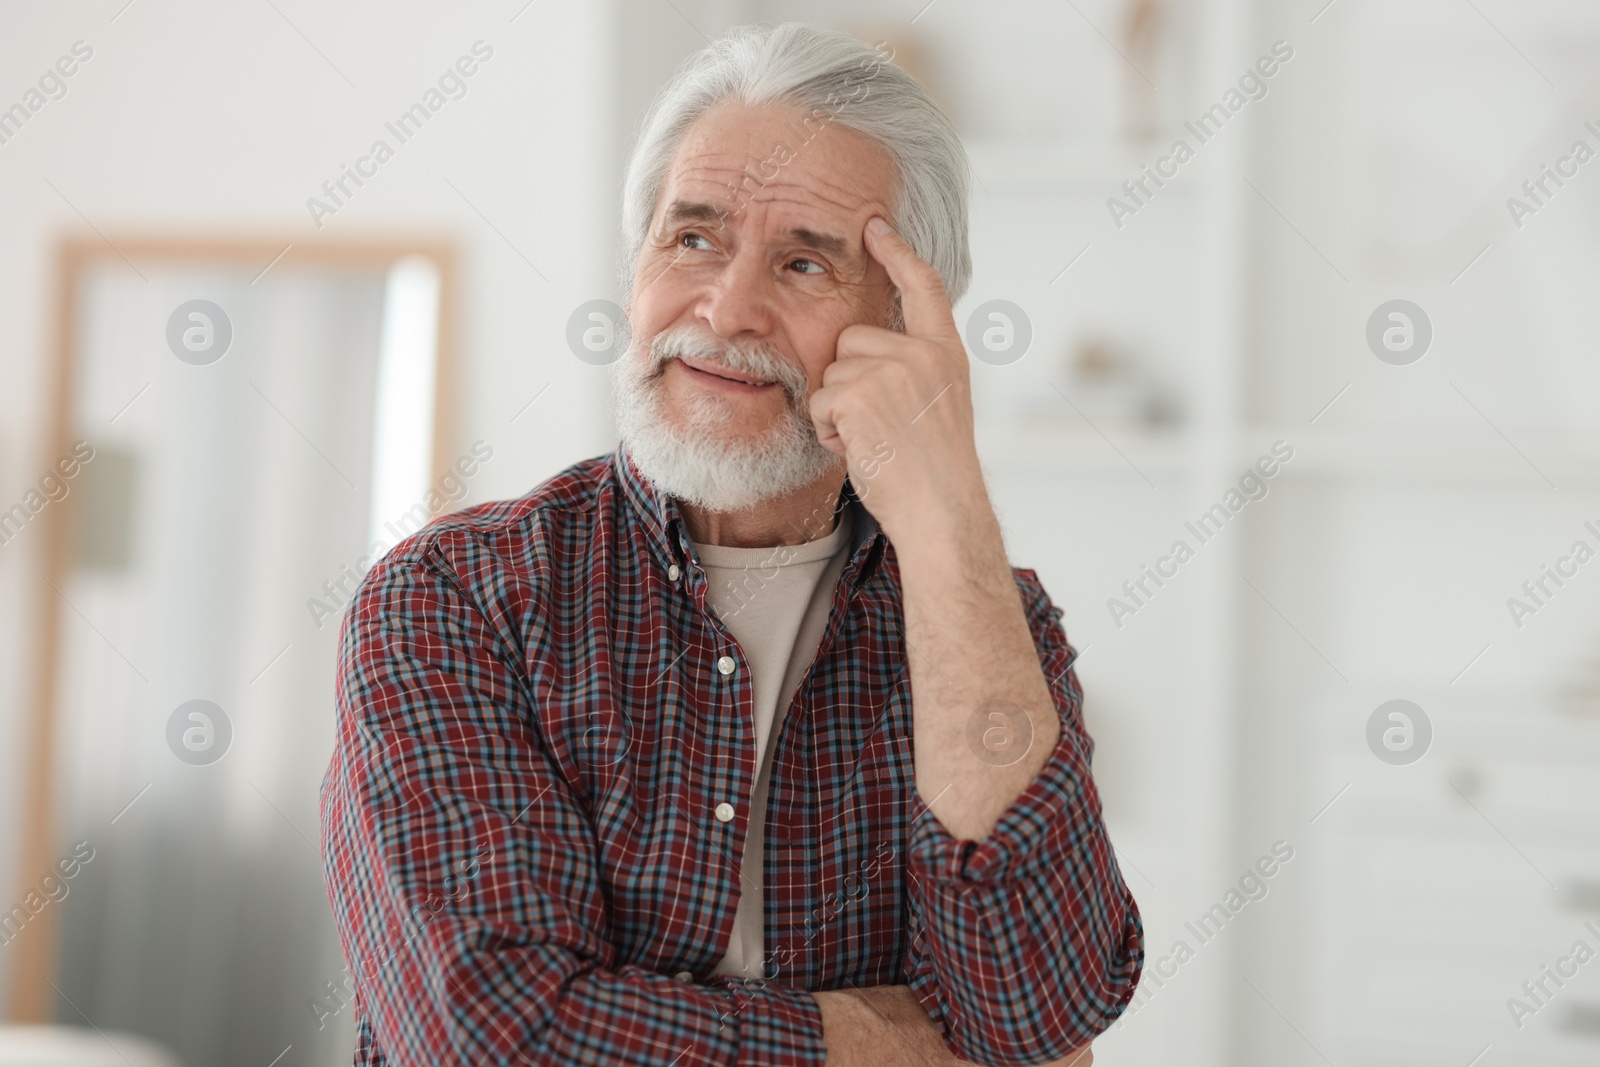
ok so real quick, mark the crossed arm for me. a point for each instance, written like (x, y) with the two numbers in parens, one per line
(884, 1026)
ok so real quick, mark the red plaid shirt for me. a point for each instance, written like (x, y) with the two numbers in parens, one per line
(521, 829)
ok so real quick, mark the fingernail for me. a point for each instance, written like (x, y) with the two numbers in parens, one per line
(878, 226)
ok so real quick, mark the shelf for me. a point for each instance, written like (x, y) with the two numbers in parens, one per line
(1069, 446)
(1459, 453)
(1072, 447)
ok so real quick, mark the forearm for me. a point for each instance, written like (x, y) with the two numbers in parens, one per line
(1037, 904)
(984, 720)
(885, 1026)
(882, 1026)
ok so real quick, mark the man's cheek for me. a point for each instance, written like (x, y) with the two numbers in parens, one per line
(657, 296)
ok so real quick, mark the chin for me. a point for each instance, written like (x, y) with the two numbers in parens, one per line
(717, 471)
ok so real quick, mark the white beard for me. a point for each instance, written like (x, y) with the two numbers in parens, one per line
(680, 447)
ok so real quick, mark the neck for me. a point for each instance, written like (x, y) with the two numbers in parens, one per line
(794, 518)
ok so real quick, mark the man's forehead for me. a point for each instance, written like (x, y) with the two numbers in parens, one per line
(746, 159)
(735, 181)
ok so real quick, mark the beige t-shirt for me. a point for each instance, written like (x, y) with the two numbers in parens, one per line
(775, 602)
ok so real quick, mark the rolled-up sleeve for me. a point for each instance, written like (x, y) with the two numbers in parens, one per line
(1027, 944)
(463, 873)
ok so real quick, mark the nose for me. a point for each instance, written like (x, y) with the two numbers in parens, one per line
(738, 300)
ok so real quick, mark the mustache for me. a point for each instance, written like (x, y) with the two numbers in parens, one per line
(756, 359)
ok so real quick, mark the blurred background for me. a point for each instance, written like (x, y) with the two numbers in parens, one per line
(1342, 347)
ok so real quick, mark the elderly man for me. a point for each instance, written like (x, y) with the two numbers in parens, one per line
(743, 744)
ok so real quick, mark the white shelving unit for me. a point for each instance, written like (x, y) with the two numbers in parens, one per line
(1228, 709)
(1088, 501)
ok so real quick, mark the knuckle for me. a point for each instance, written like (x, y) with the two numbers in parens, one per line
(848, 335)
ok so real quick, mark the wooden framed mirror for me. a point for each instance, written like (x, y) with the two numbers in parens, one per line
(240, 428)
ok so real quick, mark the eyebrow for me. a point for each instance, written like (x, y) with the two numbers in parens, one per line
(822, 242)
(699, 211)
(693, 211)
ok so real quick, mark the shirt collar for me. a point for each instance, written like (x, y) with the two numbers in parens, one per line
(664, 526)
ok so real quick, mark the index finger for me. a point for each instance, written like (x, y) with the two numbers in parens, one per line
(923, 301)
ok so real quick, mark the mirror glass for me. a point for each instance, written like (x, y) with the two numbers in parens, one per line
(241, 444)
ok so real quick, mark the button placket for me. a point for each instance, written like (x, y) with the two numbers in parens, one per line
(724, 811)
(726, 665)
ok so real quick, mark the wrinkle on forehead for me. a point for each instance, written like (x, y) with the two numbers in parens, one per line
(713, 182)
(725, 153)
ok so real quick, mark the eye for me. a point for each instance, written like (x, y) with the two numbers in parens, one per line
(688, 237)
(809, 263)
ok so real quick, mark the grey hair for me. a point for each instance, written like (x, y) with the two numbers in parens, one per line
(829, 76)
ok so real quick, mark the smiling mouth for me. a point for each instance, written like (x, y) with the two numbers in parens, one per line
(722, 374)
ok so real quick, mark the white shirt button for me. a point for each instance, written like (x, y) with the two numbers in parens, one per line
(724, 812)
(684, 976)
(674, 573)
(726, 665)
